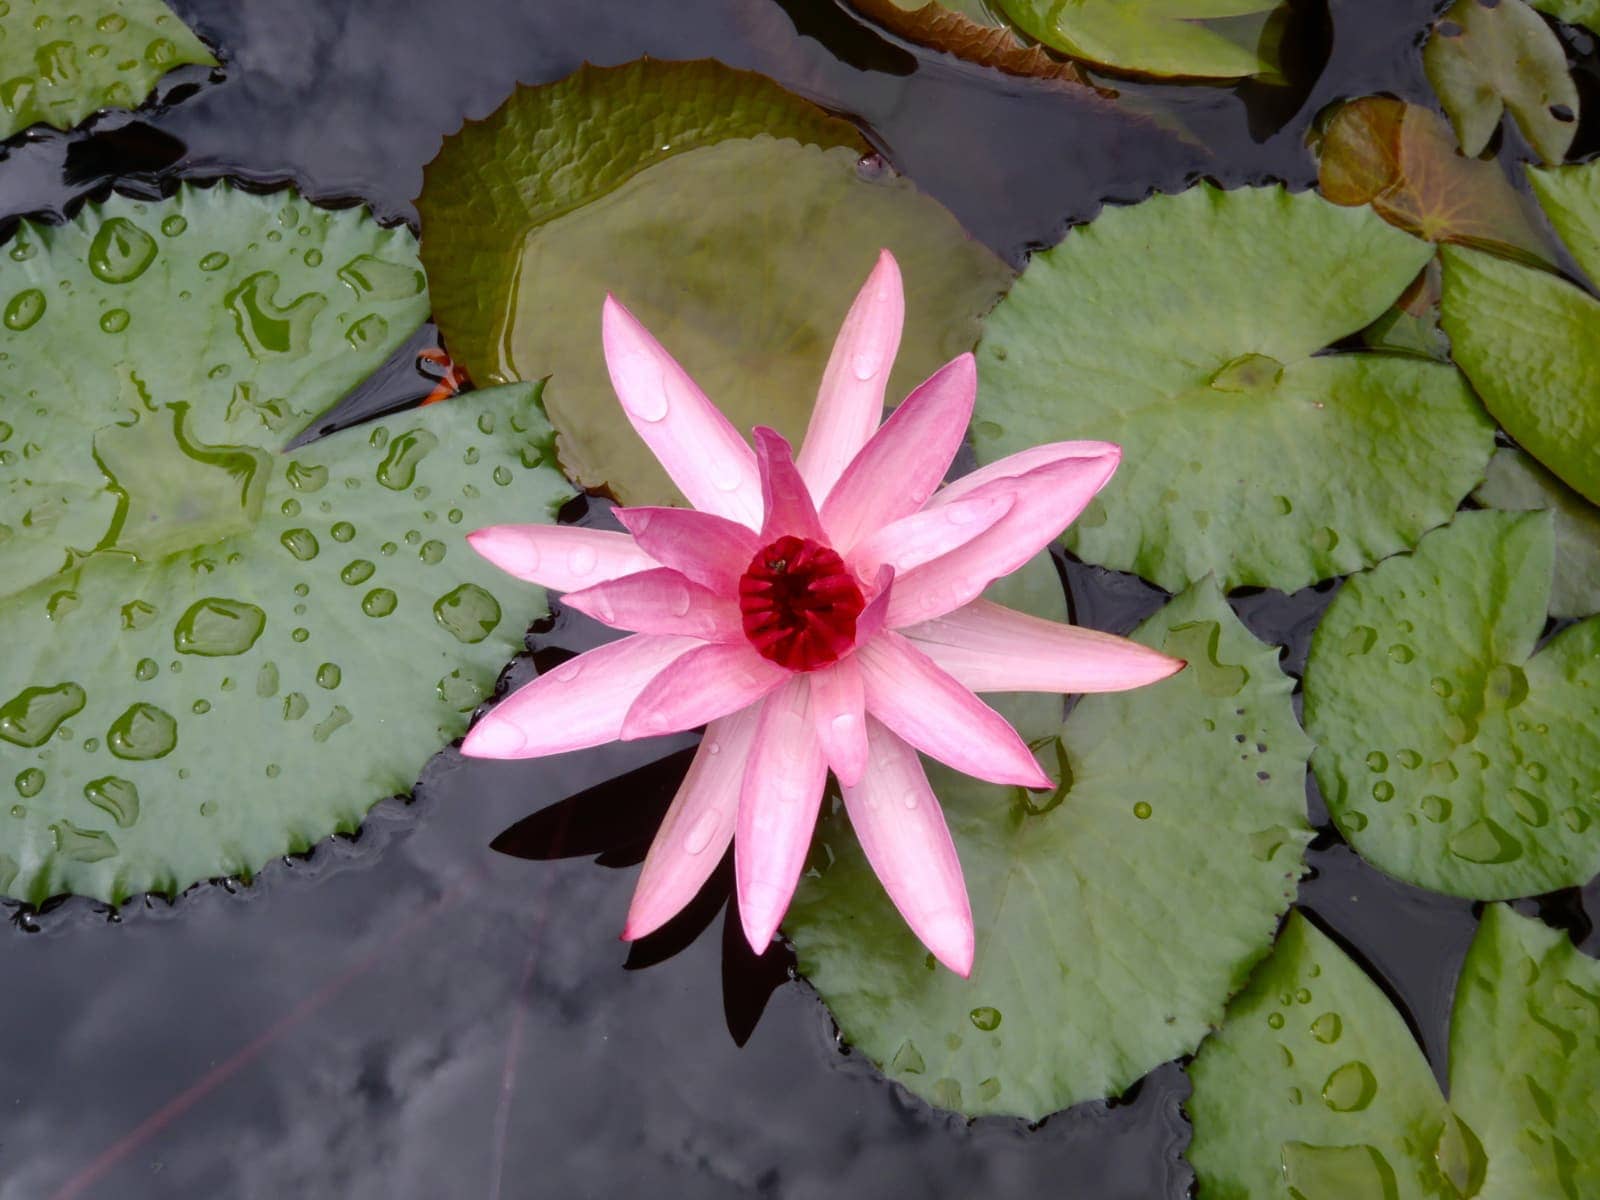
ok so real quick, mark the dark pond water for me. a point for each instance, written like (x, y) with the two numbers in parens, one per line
(411, 1014)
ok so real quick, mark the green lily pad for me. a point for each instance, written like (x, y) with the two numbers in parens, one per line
(1315, 1085)
(739, 250)
(1114, 918)
(196, 714)
(1188, 329)
(1479, 773)
(1200, 39)
(255, 312)
(189, 617)
(1527, 340)
(1573, 12)
(1487, 57)
(61, 60)
(1516, 483)
(1570, 197)
(969, 29)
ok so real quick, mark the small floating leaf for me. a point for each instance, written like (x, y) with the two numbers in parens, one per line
(969, 29)
(61, 60)
(733, 220)
(1106, 951)
(1162, 327)
(1486, 57)
(1523, 1055)
(1478, 740)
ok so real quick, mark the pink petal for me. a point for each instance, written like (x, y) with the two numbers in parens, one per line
(708, 682)
(661, 601)
(1021, 463)
(579, 704)
(787, 503)
(690, 437)
(991, 648)
(698, 826)
(712, 551)
(898, 469)
(838, 704)
(912, 696)
(872, 619)
(562, 557)
(923, 536)
(777, 810)
(850, 401)
(902, 831)
(1048, 499)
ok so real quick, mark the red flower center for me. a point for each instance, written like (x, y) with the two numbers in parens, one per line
(799, 604)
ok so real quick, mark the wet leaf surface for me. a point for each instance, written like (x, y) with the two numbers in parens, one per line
(1516, 483)
(217, 654)
(1114, 918)
(1203, 39)
(1479, 773)
(1315, 1084)
(1189, 329)
(693, 242)
(1489, 57)
(61, 60)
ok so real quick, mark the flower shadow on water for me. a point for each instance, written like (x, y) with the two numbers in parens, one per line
(614, 822)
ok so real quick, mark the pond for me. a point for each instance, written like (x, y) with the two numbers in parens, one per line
(406, 1012)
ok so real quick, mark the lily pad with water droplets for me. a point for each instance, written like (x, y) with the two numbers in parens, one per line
(1488, 57)
(216, 653)
(1516, 483)
(1315, 1084)
(253, 313)
(1190, 330)
(61, 60)
(1115, 917)
(1478, 774)
(197, 713)
(735, 223)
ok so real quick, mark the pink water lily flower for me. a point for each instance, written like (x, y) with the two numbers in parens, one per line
(814, 613)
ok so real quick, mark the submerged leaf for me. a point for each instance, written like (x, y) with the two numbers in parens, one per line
(970, 30)
(216, 654)
(61, 60)
(1115, 917)
(1487, 56)
(739, 250)
(1189, 329)
(1479, 773)
(1315, 1084)
(1516, 483)
(1401, 159)
(1201, 39)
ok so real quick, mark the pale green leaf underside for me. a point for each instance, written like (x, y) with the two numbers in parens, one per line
(1188, 330)
(1502, 57)
(1479, 772)
(1184, 38)
(740, 252)
(61, 60)
(1516, 483)
(1528, 341)
(1315, 1089)
(1113, 925)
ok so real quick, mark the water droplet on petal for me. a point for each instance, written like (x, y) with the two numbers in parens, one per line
(582, 560)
